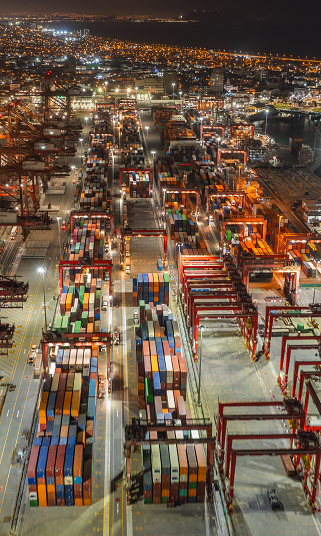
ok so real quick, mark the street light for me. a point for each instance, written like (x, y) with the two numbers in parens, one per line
(147, 129)
(58, 223)
(173, 84)
(201, 329)
(81, 140)
(266, 116)
(86, 119)
(180, 96)
(201, 131)
(153, 153)
(42, 271)
(315, 280)
(280, 218)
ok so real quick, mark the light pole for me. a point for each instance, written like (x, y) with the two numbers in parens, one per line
(173, 85)
(86, 119)
(315, 279)
(201, 329)
(58, 223)
(201, 130)
(180, 96)
(147, 129)
(42, 271)
(81, 140)
(266, 116)
(153, 153)
(280, 218)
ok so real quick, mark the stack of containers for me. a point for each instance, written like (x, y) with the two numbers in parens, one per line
(183, 471)
(63, 476)
(156, 474)
(135, 292)
(201, 475)
(80, 308)
(148, 486)
(174, 462)
(50, 475)
(166, 473)
(41, 476)
(192, 473)
(88, 238)
(137, 183)
(68, 476)
(151, 287)
(32, 476)
(178, 472)
(59, 475)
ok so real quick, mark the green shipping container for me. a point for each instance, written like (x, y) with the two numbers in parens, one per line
(149, 390)
(84, 319)
(166, 279)
(58, 323)
(65, 324)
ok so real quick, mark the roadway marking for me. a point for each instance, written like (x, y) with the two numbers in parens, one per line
(27, 377)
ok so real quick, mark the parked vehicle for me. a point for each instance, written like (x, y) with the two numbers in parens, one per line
(274, 500)
(116, 335)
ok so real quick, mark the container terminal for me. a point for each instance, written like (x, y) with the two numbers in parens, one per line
(160, 333)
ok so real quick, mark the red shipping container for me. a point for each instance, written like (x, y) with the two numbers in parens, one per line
(32, 466)
(59, 466)
(51, 460)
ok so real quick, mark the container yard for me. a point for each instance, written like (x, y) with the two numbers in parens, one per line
(60, 466)
(177, 334)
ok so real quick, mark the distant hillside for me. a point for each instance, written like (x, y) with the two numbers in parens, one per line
(211, 16)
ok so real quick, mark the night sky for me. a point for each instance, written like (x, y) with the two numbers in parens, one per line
(274, 26)
(294, 10)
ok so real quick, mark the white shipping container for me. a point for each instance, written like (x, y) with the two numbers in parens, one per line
(156, 464)
(169, 369)
(174, 463)
(170, 401)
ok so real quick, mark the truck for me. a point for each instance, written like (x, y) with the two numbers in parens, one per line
(104, 302)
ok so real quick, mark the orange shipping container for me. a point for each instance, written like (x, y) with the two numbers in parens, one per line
(67, 403)
(43, 406)
(75, 404)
